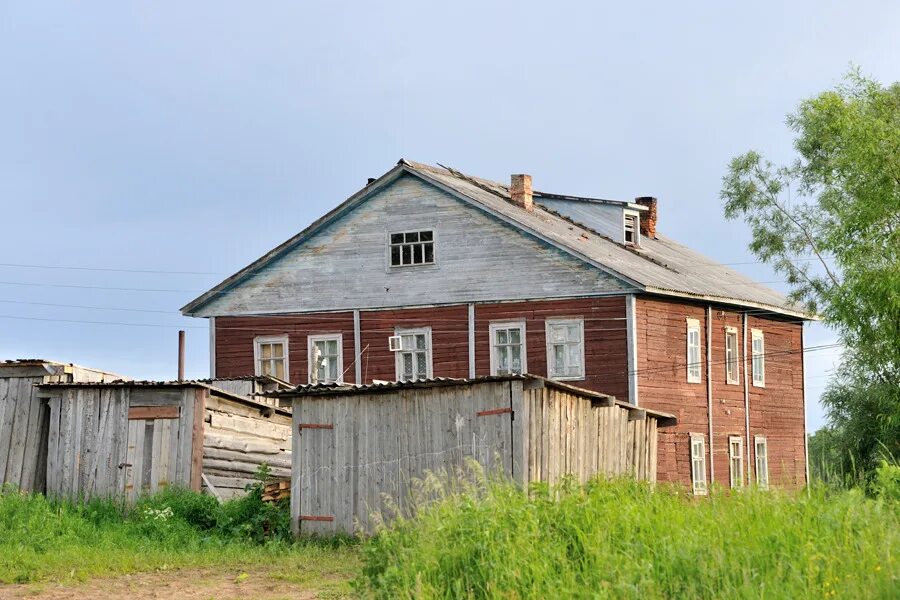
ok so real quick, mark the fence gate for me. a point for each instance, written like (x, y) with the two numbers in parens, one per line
(152, 449)
(111, 442)
(356, 456)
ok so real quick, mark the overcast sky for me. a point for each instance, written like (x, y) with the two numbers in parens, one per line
(187, 139)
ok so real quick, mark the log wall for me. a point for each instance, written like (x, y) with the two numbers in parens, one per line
(237, 440)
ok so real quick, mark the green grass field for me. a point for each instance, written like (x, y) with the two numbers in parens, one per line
(624, 540)
(617, 539)
(42, 540)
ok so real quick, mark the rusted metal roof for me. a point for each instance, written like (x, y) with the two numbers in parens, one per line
(340, 389)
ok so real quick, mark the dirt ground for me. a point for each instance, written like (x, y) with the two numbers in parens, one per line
(203, 584)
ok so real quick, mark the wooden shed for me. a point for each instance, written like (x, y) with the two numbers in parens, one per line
(124, 439)
(25, 419)
(357, 448)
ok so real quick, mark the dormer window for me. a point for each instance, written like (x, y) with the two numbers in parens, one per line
(412, 248)
(632, 229)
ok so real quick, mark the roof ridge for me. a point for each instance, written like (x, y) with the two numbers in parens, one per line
(474, 181)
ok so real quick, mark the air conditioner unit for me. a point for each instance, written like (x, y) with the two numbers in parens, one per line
(395, 343)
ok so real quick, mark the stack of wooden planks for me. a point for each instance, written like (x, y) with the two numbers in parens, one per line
(277, 490)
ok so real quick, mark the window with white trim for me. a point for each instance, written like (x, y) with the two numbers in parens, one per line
(693, 351)
(758, 357)
(632, 228)
(736, 460)
(271, 356)
(508, 348)
(326, 358)
(565, 348)
(731, 355)
(698, 464)
(412, 248)
(414, 358)
(761, 450)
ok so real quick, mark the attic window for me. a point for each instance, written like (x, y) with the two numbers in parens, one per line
(412, 248)
(632, 226)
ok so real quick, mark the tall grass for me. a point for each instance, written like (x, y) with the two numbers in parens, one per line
(624, 539)
(43, 539)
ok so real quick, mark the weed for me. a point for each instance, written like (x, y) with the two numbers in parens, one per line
(625, 539)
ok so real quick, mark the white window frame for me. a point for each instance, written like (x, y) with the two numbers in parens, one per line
(736, 475)
(520, 325)
(627, 214)
(398, 359)
(567, 321)
(433, 243)
(762, 466)
(759, 372)
(732, 357)
(694, 369)
(271, 339)
(310, 347)
(698, 464)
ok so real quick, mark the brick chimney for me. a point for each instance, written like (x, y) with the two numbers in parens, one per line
(648, 219)
(520, 191)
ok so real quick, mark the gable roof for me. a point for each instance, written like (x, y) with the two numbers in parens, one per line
(659, 266)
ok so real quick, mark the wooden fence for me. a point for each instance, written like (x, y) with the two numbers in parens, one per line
(356, 451)
(123, 440)
(25, 418)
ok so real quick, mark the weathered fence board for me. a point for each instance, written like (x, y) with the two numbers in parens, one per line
(358, 453)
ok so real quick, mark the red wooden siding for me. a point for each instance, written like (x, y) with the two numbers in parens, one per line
(662, 380)
(605, 333)
(449, 340)
(776, 411)
(728, 399)
(234, 341)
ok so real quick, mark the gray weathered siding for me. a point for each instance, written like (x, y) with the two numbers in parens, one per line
(99, 448)
(357, 456)
(23, 434)
(606, 219)
(346, 265)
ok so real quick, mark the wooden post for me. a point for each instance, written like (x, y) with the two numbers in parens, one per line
(181, 355)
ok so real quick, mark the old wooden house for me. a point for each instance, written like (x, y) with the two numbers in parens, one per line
(358, 448)
(428, 272)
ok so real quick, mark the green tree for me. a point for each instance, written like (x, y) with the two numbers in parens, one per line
(830, 224)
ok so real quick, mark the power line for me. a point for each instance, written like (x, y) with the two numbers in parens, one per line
(222, 273)
(109, 269)
(222, 292)
(55, 305)
(673, 366)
